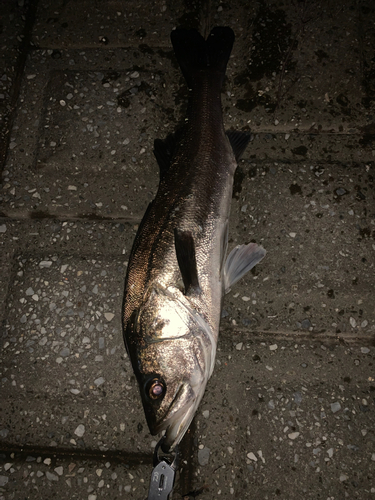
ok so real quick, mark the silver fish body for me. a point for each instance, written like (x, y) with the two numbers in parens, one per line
(177, 274)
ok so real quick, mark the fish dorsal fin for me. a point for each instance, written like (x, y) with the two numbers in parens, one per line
(238, 140)
(241, 259)
(185, 252)
(165, 150)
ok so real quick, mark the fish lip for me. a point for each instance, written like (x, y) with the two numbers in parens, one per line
(176, 431)
(172, 419)
(180, 421)
(164, 421)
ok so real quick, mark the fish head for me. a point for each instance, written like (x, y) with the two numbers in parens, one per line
(172, 360)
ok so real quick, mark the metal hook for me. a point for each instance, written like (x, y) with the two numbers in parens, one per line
(163, 475)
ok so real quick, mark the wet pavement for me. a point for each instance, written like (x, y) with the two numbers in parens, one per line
(84, 91)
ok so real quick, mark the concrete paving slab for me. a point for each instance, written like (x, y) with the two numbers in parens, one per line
(98, 88)
(71, 238)
(111, 24)
(300, 65)
(63, 324)
(366, 37)
(6, 264)
(85, 127)
(45, 477)
(315, 147)
(317, 224)
(12, 33)
(54, 377)
(285, 420)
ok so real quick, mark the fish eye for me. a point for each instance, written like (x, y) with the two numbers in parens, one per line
(156, 389)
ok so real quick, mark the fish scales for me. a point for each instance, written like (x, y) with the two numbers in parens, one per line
(198, 187)
(176, 275)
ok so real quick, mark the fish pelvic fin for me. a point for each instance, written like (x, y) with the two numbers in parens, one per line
(185, 252)
(239, 141)
(195, 54)
(240, 260)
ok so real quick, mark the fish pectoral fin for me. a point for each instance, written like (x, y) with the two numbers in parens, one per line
(185, 252)
(241, 259)
(238, 140)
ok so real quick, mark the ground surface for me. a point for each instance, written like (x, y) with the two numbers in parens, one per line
(85, 89)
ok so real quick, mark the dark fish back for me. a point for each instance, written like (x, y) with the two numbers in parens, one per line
(196, 165)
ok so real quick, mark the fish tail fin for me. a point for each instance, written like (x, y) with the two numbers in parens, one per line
(195, 54)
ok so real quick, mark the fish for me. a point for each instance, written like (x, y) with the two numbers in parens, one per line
(177, 271)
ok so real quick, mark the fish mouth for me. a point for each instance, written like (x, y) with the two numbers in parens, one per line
(177, 418)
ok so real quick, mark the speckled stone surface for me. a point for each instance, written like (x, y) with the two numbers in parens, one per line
(48, 477)
(85, 90)
(288, 420)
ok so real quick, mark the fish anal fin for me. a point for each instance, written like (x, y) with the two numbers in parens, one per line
(239, 141)
(240, 260)
(185, 252)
